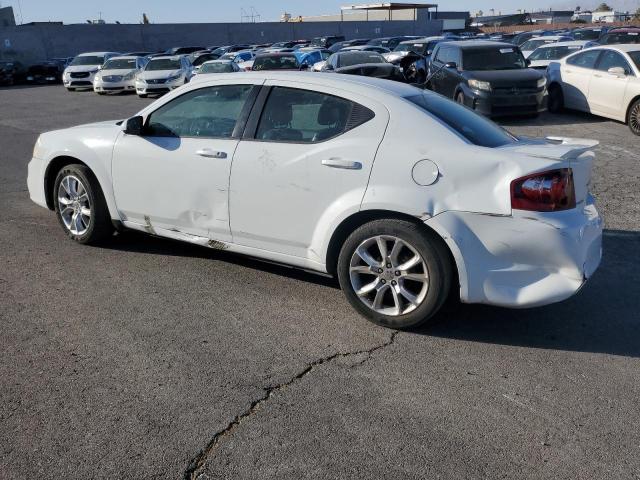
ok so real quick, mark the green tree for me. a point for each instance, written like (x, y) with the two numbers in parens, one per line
(603, 7)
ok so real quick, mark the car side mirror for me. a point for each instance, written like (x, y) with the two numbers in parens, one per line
(452, 65)
(134, 126)
(617, 71)
(429, 52)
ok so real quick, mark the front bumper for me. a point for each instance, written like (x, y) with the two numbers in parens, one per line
(528, 259)
(35, 181)
(145, 88)
(81, 82)
(107, 87)
(494, 104)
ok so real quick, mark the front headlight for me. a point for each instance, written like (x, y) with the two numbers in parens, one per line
(38, 151)
(141, 80)
(480, 85)
(174, 78)
(542, 82)
(129, 76)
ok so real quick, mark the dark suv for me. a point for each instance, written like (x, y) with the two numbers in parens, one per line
(492, 78)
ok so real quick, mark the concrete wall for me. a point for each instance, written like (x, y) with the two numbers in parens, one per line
(30, 43)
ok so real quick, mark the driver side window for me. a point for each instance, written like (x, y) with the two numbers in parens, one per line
(210, 112)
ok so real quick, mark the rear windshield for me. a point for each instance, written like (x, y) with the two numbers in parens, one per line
(163, 64)
(587, 34)
(87, 60)
(216, 68)
(502, 58)
(120, 64)
(283, 62)
(554, 53)
(615, 38)
(410, 47)
(472, 126)
(356, 58)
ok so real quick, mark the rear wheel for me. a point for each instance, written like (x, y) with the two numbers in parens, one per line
(556, 99)
(80, 205)
(633, 119)
(395, 273)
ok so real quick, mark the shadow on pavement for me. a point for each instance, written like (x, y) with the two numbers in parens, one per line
(604, 317)
(546, 119)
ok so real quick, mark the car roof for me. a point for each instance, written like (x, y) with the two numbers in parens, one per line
(567, 44)
(548, 37)
(624, 30)
(423, 39)
(276, 54)
(623, 47)
(397, 89)
(469, 44)
(95, 54)
(126, 57)
(171, 57)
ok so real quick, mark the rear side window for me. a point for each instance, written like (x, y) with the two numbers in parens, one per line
(585, 59)
(304, 116)
(472, 126)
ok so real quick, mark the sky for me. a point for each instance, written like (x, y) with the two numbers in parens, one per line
(168, 11)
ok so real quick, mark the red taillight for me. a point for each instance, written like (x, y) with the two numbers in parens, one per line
(544, 192)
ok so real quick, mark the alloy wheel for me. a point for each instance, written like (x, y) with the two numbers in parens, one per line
(74, 205)
(634, 119)
(389, 275)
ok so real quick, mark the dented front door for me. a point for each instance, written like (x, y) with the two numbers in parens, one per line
(176, 176)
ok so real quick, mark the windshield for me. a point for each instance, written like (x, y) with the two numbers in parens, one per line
(217, 68)
(504, 58)
(472, 126)
(586, 34)
(533, 44)
(276, 63)
(635, 56)
(410, 47)
(613, 38)
(87, 60)
(554, 53)
(120, 64)
(357, 58)
(163, 64)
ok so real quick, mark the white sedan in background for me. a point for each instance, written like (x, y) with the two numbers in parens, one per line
(401, 193)
(551, 52)
(603, 80)
(528, 47)
(118, 74)
(83, 68)
(163, 74)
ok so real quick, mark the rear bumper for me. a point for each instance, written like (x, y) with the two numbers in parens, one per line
(524, 260)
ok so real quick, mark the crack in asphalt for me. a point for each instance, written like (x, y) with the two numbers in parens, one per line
(193, 470)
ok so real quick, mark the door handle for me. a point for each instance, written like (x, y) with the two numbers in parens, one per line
(340, 163)
(208, 153)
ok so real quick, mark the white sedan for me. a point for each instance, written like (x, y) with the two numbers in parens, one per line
(402, 194)
(163, 74)
(604, 80)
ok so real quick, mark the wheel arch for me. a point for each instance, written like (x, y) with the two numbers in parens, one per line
(356, 220)
(631, 102)
(53, 168)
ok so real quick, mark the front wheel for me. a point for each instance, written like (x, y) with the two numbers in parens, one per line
(143, 95)
(634, 117)
(395, 273)
(80, 205)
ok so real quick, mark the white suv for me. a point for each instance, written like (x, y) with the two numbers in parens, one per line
(163, 74)
(82, 70)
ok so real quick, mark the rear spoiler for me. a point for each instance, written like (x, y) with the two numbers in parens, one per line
(560, 148)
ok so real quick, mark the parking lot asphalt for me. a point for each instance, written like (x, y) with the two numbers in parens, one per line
(147, 358)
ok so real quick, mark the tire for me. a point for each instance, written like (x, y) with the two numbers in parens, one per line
(93, 227)
(101, 93)
(369, 284)
(69, 89)
(143, 95)
(556, 99)
(633, 119)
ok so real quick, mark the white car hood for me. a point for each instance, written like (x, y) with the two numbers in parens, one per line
(106, 124)
(159, 74)
(82, 68)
